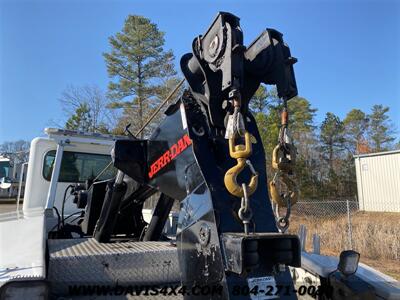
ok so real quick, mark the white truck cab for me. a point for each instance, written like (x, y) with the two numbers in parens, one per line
(63, 158)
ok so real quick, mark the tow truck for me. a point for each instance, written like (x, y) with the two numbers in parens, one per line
(230, 242)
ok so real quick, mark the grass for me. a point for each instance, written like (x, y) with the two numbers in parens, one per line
(376, 236)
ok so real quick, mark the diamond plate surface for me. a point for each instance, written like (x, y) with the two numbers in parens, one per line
(86, 261)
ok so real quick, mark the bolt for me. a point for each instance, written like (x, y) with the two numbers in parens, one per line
(281, 268)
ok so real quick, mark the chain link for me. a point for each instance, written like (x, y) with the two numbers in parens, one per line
(283, 222)
(245, 213)
(284, 167)
(236, 129)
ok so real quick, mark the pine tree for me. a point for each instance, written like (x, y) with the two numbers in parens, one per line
(302, 131)
(81, 120)
(301, 119)
(355, 125)
(138, 64)
(380, 128)
(259, 101)
(332, 138)
(265, 106)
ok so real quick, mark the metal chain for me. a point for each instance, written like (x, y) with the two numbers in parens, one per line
(284, 141)
(283, 222)
(235, 129)
(245, 213)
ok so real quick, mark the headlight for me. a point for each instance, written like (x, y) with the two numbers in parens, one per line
(37, 290)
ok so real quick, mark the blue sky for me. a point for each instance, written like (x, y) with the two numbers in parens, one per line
(348, 51)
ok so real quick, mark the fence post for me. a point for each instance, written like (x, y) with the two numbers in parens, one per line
(350, 233)
(316, 244)
(303, 237)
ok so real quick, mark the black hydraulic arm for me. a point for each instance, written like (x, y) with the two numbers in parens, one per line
(160, 216)
(221, 68)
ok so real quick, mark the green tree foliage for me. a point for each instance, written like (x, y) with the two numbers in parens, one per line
(139, 66)
(356, 125)
(267, 108)
(380, 128)
(269, 131)
(332, 138)
(325, 164)
(81, 120)
(302, 131)
(259, 101)
(301, 122)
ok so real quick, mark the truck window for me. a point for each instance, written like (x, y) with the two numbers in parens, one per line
(78, 166)
(4, 168)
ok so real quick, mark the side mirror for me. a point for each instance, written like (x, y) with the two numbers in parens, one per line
(5, 183)
(348, 262)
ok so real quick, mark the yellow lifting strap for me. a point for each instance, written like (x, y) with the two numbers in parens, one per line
(240, 153)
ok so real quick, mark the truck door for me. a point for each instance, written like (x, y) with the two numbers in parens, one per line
(76, 167)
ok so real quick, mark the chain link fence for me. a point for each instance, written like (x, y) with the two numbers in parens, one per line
(341, 225)
(323, 217)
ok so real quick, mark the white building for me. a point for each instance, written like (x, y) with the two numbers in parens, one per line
(378, 181)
